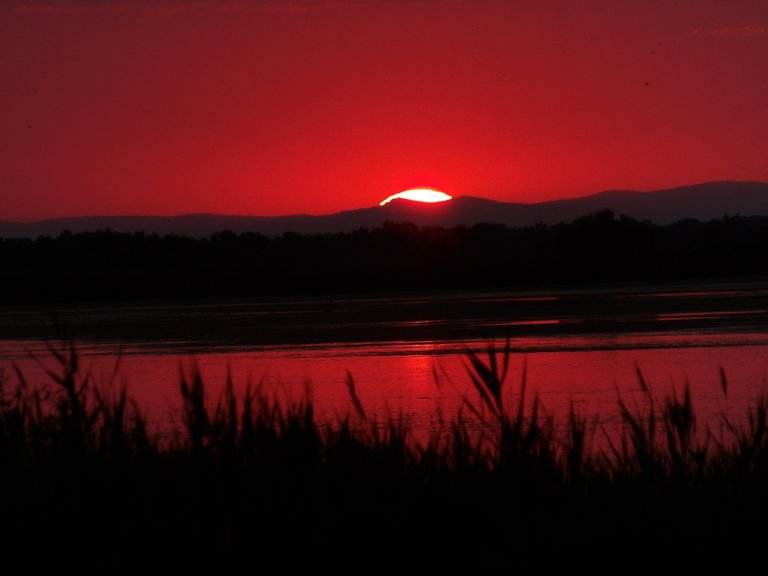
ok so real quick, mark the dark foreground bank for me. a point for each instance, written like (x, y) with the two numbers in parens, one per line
(253, 479)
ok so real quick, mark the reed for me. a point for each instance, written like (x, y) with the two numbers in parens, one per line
(249, 474)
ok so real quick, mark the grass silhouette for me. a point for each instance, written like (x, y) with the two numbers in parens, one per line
(252, 476)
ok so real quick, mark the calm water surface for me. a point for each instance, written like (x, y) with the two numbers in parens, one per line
(407, 353)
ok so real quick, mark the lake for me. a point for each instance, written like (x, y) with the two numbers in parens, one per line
(407, 353)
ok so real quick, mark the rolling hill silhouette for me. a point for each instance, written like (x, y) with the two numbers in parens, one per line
(701, 202)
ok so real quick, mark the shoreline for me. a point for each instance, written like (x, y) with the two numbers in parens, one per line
(448, 316)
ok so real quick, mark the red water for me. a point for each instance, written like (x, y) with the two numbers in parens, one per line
(415, 379)
(407, 353)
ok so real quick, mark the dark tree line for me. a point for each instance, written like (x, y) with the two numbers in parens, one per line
(598, 248)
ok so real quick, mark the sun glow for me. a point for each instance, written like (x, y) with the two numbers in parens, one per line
(419, 195)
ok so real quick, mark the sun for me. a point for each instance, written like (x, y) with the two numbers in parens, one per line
(419, 195)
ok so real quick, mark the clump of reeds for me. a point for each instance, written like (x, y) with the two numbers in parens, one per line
(80, 467)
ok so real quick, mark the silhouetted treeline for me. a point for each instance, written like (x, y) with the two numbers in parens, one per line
(598, 248)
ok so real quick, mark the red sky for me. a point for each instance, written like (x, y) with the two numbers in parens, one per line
(310, 106)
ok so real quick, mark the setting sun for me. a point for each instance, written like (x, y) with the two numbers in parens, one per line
(419, 195)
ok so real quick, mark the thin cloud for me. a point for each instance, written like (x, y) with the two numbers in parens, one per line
(174, 7)
(749, 30)
(59, 9)
(285, 6)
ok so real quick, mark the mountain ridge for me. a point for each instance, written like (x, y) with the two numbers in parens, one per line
(703, 201)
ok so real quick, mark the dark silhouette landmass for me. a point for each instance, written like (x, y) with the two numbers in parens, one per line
(598, 248)
(701, 202)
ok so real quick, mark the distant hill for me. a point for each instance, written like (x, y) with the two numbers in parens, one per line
(700, 202)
